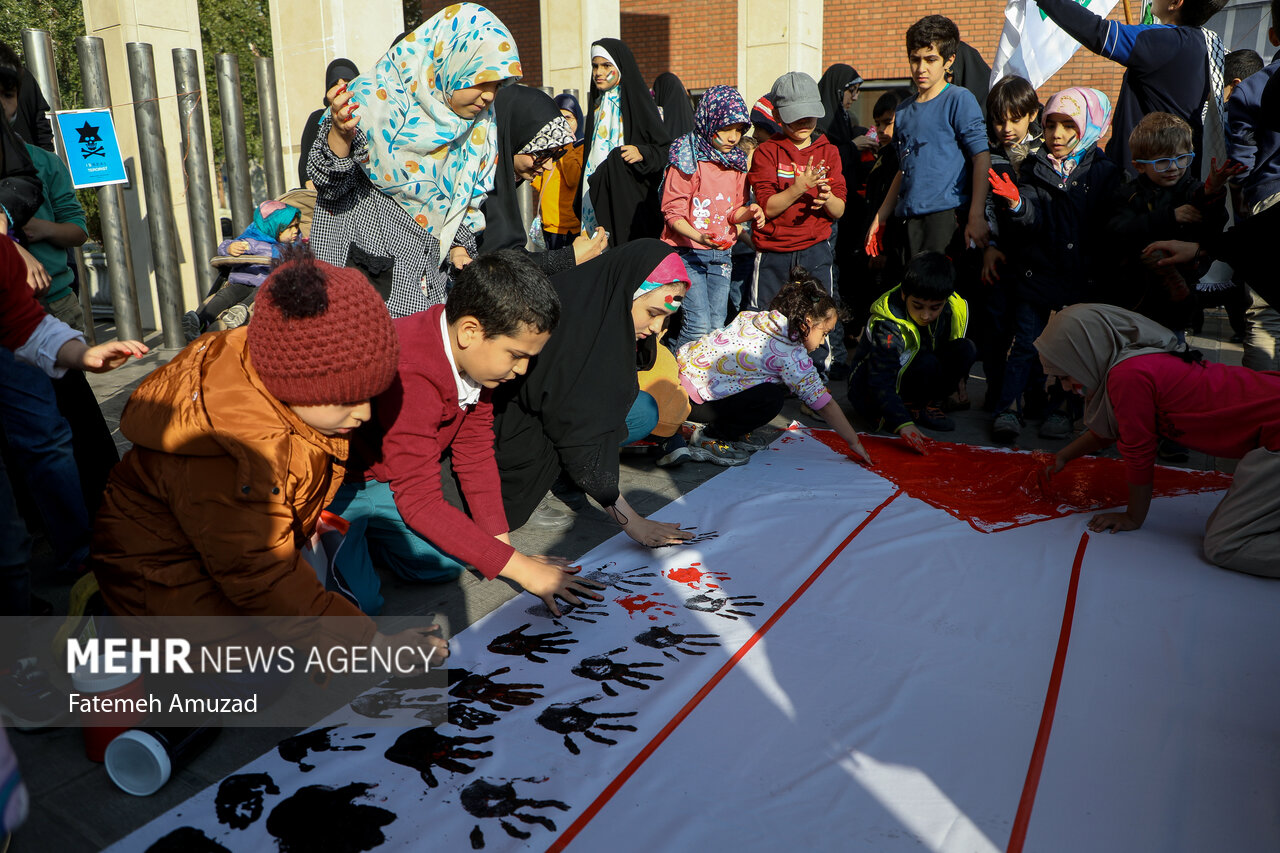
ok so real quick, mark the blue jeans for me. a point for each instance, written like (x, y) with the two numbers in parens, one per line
(1023, 364)
(15, 550)
(40, 440)
(378, 532)
(704, 307)
(642, 418)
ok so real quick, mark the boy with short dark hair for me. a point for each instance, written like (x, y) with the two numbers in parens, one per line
(942, 146)
(797, 179)
(499, 315)
(913, 352)
(1239, 65)
(1169, 67)
(887, 266)
(1167, 201)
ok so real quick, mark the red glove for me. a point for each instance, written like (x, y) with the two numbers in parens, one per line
(1002, 186)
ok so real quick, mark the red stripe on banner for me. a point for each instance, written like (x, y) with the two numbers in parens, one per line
(1028, 801)
(627, 772)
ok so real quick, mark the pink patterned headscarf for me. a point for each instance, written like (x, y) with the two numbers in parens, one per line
(1090, 111)
(670, 271)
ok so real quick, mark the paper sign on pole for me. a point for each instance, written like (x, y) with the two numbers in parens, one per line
(93, 152)
(1032, 45)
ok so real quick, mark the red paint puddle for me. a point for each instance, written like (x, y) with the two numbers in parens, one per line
(996, 489)
(642, 604)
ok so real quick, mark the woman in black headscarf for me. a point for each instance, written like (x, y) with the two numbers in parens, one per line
(340, 70)
(672, 99)
(626, 149)
(580, 399)
(532, 136)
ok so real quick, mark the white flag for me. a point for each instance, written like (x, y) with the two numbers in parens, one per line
(1032, 45)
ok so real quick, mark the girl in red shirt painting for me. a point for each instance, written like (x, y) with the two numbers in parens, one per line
(1137, 387)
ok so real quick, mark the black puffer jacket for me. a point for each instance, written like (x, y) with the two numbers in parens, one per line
(1056, 240)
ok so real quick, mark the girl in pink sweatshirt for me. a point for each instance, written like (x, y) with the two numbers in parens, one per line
(704, 198)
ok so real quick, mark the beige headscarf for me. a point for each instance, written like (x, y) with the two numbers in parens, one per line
(1086, 341)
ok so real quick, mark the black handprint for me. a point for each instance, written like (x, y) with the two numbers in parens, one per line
(485, 799)
(621, 581)
(297, 748)
(588, 611)
(425, 748)
(601, 668)
(376, 704)
(697, 538)
(660, 637)
(469, 717)
(715, 604)
(530, 646)
(566, 719)
(471, 687)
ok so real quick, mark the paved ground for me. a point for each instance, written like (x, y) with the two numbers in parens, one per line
(76, 808)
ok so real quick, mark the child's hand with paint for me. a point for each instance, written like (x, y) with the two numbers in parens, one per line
(343, 113)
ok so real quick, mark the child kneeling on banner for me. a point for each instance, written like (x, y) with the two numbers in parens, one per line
(913, 351)
(238, 444)
(499, 315)
(737, 377)
(1137, 386)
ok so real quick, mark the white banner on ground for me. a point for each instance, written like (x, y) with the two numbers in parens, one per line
(1032, 45)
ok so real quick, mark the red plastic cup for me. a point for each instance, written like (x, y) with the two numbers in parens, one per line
(101, 728)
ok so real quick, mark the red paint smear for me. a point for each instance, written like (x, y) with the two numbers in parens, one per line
(627, 772)
(997, 489)
(686, 575)
(1022, 818)
(640, 604)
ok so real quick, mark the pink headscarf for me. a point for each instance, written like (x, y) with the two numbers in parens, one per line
(1090, 111)
(670, 271)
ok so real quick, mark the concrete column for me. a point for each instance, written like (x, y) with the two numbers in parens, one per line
(164, 24)
(566, 49)
(305, 36)
(774, 37)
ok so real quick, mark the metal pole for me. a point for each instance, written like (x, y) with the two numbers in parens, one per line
(37, 49)
(115, 229)
(549, 90)
(188, 76)
(164, 234)
(233, 142)
(573, 92)
(269, 118)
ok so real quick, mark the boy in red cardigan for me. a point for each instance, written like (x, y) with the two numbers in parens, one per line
(499, 315)
(797, 179)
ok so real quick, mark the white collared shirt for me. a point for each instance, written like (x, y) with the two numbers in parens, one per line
(468, 391)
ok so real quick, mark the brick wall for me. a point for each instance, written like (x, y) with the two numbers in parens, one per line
(523, 19)
(695, 39)
(871, 38)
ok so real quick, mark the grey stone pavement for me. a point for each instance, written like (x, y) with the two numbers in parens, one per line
(75, 807)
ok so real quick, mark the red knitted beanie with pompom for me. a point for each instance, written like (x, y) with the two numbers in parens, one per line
(320, 335)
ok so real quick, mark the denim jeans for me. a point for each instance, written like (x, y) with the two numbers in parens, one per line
(1023, 364)
(39, 440)
(15, 550)
(704, 307)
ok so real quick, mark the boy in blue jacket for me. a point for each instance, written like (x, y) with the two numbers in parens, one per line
(1171, 68)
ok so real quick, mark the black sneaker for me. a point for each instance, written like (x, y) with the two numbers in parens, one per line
(1170, 451)
(28, 700)
(932, 417)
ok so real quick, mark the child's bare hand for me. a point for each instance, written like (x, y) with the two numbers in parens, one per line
(865, 143)
(752, 212)
(992, 259)
(238, 248)
(824, 196)
(1187, 214)
(630, 154)
(655, 533)
(809, 176)
(1219, 175)
(1112, 521)
(343, 111)
(586, 247)
(37, 276)
(858, 448)
(915, 439)
(459, 258)
(1176, 252)
(977, 233)
(107, 357)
